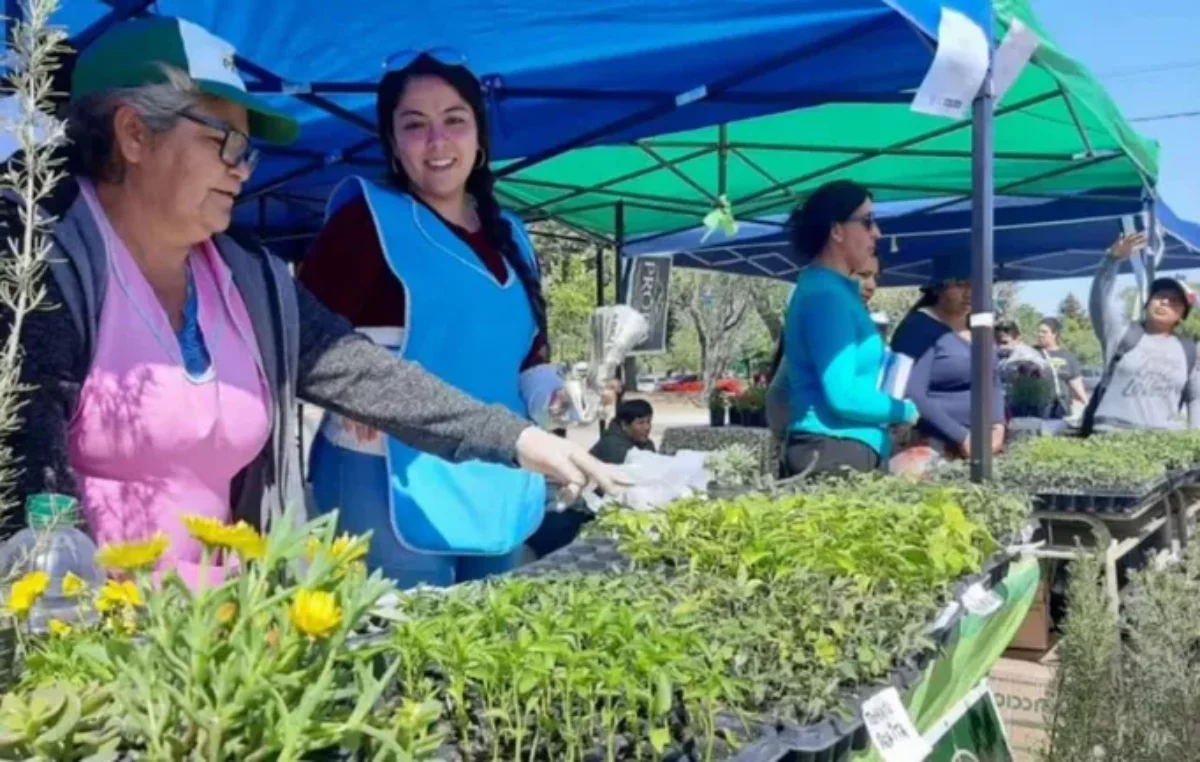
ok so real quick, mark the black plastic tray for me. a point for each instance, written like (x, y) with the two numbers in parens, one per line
(1104, 501)
(830, 739)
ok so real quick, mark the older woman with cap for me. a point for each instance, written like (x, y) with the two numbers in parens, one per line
(936, 336)
(166, 381)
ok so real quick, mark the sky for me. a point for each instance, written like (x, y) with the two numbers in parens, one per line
(1144, 53)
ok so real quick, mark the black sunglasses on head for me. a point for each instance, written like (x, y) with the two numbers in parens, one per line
(235, 144)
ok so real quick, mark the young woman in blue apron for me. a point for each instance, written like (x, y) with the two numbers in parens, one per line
(431, 267)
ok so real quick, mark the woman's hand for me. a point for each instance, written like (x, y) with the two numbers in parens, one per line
(1126, 244)
(561, 460)
(998, 437)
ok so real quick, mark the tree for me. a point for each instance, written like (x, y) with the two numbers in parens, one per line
(895, 302)
(1071, 307)
(717, 306)
(770, 300)
(569, 283)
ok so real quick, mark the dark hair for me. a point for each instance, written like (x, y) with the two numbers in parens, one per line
(480, 183)
(631, 410)
(1008, 326)
(809, 225)
(1053, 324)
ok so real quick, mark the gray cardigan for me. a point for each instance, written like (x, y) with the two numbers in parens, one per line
(308, 353)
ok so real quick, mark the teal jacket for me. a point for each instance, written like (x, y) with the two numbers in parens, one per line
(834, 355)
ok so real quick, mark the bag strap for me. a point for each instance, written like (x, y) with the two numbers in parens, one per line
(1189, 353)
(1133, 334)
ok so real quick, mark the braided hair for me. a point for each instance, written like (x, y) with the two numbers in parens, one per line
(481, 182)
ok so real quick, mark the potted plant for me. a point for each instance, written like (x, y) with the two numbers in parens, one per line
(716, 408)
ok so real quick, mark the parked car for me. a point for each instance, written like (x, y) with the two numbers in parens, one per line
(693, 384)
(649, 382)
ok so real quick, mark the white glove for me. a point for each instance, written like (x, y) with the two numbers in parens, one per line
(560, 460)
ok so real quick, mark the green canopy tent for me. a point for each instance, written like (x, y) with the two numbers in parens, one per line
(1056, 132)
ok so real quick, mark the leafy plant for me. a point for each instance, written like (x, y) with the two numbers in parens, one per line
(1044, 464)
(734, 466)
(59, 721)
(35, 48)
(256, 667)
(1130, 690)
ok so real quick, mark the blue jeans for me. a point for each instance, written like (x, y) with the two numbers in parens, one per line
(355, 484)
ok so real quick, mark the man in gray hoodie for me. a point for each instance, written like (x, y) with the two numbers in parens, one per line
(1150, 379)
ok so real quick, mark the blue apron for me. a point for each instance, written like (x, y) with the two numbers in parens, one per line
(474, 334)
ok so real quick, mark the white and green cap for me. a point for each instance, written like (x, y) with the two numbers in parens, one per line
(133, 53)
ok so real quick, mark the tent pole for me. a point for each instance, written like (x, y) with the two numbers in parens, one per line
(619, 253)
(982, 317)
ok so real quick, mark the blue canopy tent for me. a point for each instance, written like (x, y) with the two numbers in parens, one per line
(1035, 239)
(558, 75)
(579, 73)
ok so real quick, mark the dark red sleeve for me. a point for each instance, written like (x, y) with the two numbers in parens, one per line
(345, 270)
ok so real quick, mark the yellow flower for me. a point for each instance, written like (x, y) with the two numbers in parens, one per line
(315, 613)
(226, 612)
(348, 549)
(240, 537)
(26, 591)
(118, 595)
(58, 628)
(73, 585)
(132, 556)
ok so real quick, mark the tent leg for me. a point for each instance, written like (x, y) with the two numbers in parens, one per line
(982, 316)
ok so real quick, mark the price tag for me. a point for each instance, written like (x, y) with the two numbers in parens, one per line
(980, 601)
(892, 730)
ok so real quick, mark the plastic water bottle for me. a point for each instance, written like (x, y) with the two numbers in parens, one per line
(52, 543)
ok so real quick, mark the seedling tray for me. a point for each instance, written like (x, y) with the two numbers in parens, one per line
(1124, 502)
(831, 738)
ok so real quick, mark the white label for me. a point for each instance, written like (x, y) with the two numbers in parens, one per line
(982, 319)
(980, 601)
(1012, 56)
(892, 730)
(958, 68)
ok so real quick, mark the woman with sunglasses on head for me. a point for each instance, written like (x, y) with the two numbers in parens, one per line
(164, 380)
(834, 353)
(430, 266)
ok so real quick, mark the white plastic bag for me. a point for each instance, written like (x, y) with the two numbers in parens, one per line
(656, 480)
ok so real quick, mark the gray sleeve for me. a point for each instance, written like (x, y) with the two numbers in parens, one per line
(345, 372)
(1105, 307)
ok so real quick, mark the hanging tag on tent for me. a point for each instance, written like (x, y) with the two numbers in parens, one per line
(958, 69)
(1013, 54)
(720, 217)
(892, 730)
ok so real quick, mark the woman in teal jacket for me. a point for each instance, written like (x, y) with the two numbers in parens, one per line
(835, 355)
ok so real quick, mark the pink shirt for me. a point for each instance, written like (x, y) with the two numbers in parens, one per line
(150, 443)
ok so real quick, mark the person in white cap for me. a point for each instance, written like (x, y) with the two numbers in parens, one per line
(166, 380)
(1150, 378)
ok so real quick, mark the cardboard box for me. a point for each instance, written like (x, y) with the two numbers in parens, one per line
(1022, 691)
(1034, 634)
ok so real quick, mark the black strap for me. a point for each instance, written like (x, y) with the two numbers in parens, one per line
(1133, 334)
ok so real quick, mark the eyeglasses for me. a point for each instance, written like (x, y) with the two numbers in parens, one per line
(403, 58)
(235, 144)
(868, 221)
